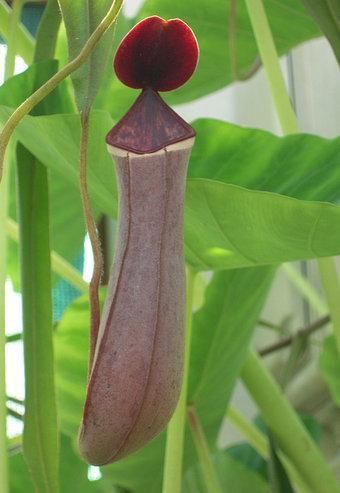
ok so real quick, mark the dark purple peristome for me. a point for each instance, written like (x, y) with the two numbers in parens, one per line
(135, 378)
(148, 126)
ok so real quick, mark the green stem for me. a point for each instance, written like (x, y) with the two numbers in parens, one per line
(172, 476)
(25, 42)
(58, 264)
(306, 289)
(253, 435)
(290, 434)
(14, 21)
(14, 18)
(40, 440)
(53, 82)
(270, 60)
(331, 285)
(260, 443)
(15, 400)
(13, 338)
(14, 414)
(14, 445)
(92, 231)
(3, 258)
(41, 432)
(204, 456)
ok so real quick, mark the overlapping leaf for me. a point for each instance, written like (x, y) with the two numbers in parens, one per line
(233, 476)
(81, 19)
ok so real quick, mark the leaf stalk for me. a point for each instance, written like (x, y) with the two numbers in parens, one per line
(290, 434)
(209, 473)
(172, 474)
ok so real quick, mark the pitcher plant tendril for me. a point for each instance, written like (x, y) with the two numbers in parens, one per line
(136, 373)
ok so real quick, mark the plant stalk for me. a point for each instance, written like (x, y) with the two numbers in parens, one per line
(14, 20)
(41, 432)
(3, 258)
(208, 469)
(260, 443)
(270, 60)
(172, 474)
(306, 289)
(289, 432)
(331, 286)
(92, 231)
(52, 83)
(300, 333)
(40, 437)
(252, 434)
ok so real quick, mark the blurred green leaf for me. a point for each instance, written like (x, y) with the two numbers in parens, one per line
(220, 339)
(71, 359)
(81, 17)
(20, 479)
(249, 457)
(16, 89)
(330, 367)
(327, 15)
(73, 474)
(233, 476)
(288, 19)
(278, 477)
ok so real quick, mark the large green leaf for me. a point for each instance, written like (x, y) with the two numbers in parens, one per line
(302, 166)
(327, 16)
(226, 226)
(221, 333)
(288, 19)
(81, 19)
(220, 339)
(233, 477)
